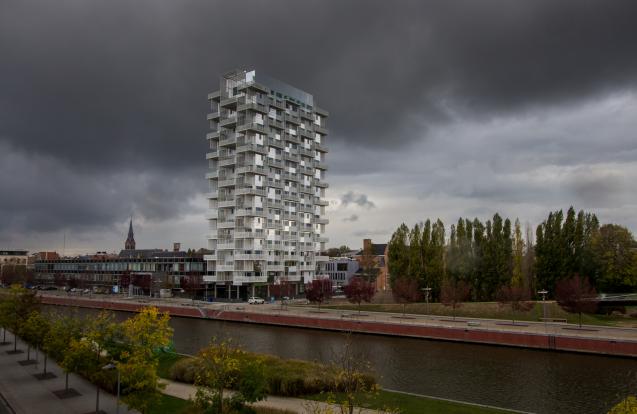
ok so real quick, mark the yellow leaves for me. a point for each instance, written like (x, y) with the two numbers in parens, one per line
(627, 406)
(148, 330)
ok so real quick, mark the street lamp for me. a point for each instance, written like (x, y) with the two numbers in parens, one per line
(109, 367)
(543, 292)
(427, 290)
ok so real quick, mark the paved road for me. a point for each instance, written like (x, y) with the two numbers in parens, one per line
(558, 329)
(27, 395)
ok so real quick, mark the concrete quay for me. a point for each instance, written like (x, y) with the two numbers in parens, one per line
(536, 335)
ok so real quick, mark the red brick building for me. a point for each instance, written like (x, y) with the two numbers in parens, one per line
(378, 253)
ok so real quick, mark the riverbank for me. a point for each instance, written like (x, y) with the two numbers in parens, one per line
(368, 403)
(544, 336)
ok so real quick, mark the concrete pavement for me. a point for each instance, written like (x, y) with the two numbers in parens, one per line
(295, 405)
(539, 335)
(27, 395)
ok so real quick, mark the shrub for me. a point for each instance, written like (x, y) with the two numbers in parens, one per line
(284, 377)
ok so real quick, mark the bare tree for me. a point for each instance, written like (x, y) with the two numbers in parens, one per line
(405, 290)
(453, 293)
(517, 297)
(576, 295)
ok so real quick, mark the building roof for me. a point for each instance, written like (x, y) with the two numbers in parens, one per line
(149, 253)
(377, 249)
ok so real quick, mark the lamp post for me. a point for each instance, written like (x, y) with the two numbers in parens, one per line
(427, 290)
(543, 292)
(109, 367)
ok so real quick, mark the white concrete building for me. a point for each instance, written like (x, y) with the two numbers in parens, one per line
(266, 185)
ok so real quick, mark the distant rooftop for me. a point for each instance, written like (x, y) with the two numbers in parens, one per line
(13, 252)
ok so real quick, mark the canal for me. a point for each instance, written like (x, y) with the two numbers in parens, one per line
(529, 380)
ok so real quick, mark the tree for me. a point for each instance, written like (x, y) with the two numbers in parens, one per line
(319, 291)
(433, 251)
(80, 358)
(517, 297)
(398, 254)
(576, 295)
(281, 289)
(517, 277)
(143, 335)
(352, 375)
(368, 264)
(191, 284)
(62, 331)
(15, 308)
(34, 331)
(359, 290)
(333, 252)
(415, 268)
(453, 293)
(406, 290)
(221, 367)
(616, 259)
(627, 406)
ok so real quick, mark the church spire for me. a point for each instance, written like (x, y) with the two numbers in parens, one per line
(130, 240)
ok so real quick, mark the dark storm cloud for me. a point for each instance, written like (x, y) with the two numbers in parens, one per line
(113, 92)
(360, 200)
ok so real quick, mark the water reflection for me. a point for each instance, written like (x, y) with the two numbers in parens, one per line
(537, 381)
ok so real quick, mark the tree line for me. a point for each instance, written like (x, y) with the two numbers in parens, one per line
(95, 348)
(486, 256)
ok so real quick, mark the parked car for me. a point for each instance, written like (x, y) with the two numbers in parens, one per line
(256, 301)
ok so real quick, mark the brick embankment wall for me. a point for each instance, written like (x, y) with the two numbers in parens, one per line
(472, 335)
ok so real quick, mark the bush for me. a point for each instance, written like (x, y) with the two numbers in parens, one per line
(284, 377)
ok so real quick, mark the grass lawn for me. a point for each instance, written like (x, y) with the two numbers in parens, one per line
(172, 405)
(492, 310)
(166, 361)
(409, 404)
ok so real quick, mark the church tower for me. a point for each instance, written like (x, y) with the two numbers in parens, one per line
(130, 240)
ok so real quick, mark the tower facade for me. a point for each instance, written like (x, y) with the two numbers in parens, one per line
(266, 175)
(130, 240)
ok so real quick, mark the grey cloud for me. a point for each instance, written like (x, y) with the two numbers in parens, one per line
(44, 195)
(107, 100)
(360, 200)
(372, 232)
(351, 218)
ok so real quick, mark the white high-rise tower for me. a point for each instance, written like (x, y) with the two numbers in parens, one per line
(266, 190)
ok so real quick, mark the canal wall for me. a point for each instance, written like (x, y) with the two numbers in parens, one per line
(624, 348)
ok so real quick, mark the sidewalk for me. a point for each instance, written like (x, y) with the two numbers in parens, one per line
(296, 405)
(27, 395)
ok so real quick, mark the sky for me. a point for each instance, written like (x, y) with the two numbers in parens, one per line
(438, 110)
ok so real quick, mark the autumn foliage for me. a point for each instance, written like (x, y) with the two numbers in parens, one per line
(576, 295)
(405, 290)
(359, 290)
(319, 291)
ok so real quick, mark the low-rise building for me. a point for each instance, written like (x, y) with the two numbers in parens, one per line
(340, 270)
(375, 255)
(147, 270)
(13, 261)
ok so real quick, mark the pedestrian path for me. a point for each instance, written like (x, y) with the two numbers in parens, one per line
(295, 405)
(27, 395)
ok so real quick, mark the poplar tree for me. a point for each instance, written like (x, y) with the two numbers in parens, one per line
(397, 254)
(517, 277)
(415, 254)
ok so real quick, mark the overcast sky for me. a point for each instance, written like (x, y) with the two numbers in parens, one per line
(438, 109)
